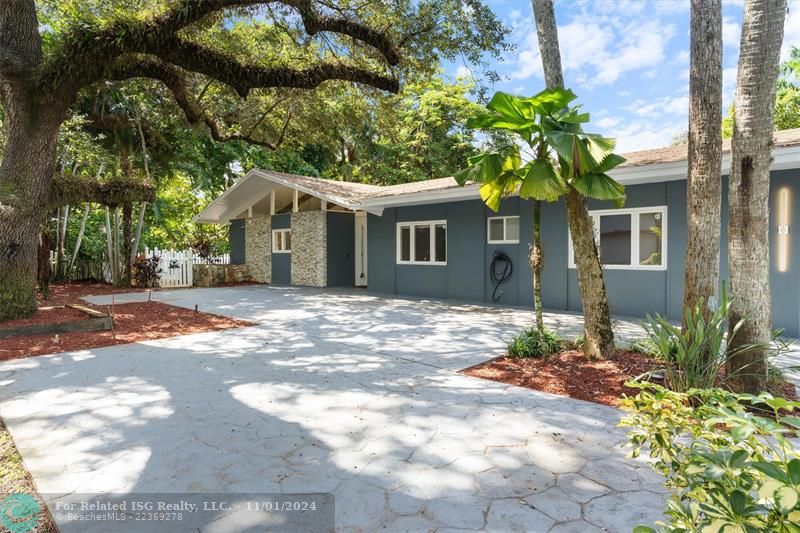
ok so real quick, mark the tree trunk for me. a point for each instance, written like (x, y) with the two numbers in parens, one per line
(44, 260)
(598, 333)
(704, 185)
(110, 246)
(127, 237)
(537, 261)
(138, 236)
(26, 171)
(61, 238)
(748, 197)
(79, 239)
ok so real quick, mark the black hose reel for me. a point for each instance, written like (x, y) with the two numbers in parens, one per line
(500, 272)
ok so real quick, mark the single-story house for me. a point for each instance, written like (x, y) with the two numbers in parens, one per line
(436, 239)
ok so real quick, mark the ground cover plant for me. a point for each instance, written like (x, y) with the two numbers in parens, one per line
(728, 468)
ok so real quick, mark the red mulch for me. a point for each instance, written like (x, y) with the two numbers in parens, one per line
(63, 293)
(133, 322)
(570, 373)
(46, 315)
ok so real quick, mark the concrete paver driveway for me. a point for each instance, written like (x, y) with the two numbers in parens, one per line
(338, 392)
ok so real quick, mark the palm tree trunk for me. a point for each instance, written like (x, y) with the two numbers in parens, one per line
(598, 333)
(748, 197)
(537, 260)
(704, 184)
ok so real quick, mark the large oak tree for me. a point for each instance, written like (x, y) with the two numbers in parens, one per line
(50, 55)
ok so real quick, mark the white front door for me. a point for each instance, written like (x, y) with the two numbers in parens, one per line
(361, 249)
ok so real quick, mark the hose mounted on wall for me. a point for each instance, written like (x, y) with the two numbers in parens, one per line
(500, 272)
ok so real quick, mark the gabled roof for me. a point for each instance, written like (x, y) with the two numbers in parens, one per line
(645, 166)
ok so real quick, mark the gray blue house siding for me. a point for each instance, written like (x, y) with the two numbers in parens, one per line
(281, 262)
(340, 240)
(236, 240)
(631, 292)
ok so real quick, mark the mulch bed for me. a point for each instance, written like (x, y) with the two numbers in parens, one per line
(570, 373)
(133, 322)
(46, 315)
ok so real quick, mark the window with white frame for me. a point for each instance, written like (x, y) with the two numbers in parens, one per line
(422, 243)
(630, 238)
(502, 230)
(281, 241)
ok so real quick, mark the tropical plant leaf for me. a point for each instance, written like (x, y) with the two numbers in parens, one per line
(599, 186)
(609, 162)
(573, 149)
(600, 147)
(786, 499)
(541, 182)
(548, 101)
(492, 194)
(500, 122)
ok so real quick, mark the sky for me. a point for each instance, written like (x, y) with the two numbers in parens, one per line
(627, 60)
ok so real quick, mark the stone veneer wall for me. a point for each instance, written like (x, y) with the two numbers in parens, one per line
(258, 248)
(213, 275)
(309, 248)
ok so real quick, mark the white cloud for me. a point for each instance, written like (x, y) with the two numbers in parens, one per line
(791, 32)
(731, 33)
(641, 135)
(682, 57)
(463, 72)
(675, 106)
(597, 51)
(728, 87)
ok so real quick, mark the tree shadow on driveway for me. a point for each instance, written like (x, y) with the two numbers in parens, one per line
(281, 408)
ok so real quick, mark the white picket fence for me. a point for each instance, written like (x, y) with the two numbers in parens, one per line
(176, 267)
(224, 259)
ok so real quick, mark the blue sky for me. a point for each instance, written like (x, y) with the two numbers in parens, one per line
(628, 61)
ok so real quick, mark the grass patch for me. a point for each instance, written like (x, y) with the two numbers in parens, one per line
(14, 478)
(534, 343)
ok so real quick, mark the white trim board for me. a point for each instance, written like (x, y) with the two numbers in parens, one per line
(634, 214)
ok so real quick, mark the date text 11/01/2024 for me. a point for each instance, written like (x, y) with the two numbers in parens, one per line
(184, 506)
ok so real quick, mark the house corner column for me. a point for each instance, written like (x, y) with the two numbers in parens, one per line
(310, 248)
(258, 248)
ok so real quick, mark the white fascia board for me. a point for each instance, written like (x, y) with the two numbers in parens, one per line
(349, 204)
(782, 158)
(453, 194)
(206, 217)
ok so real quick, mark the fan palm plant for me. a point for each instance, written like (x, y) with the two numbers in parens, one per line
(552, 157)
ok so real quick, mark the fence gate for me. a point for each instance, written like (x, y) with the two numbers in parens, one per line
(176, 267)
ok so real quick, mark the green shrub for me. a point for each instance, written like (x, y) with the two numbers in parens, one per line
(695, 356)
(646, 346)
(728, 469)
(534, 343)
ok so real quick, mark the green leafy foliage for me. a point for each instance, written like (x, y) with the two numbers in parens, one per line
(787, 97)
(728, 469)
(559, 155)
(535, 343)
(695, 356)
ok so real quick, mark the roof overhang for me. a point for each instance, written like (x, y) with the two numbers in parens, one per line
(254, 187)
(783, 158)
(452, 194)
